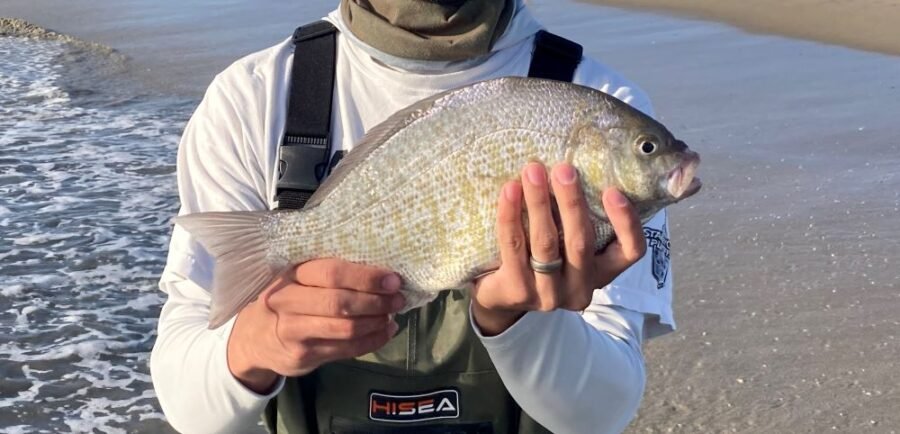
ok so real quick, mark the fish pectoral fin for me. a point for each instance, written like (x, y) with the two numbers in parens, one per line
(486, 269)
(484, 273)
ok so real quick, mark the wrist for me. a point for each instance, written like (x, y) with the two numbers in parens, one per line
(492, 322)
(260, 381)
(243, 367)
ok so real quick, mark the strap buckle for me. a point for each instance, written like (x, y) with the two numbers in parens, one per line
(302, 163)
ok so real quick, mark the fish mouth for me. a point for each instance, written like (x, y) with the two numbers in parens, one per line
(682, 182)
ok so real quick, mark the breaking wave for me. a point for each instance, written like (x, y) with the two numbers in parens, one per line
(15, 27)
(87, 188)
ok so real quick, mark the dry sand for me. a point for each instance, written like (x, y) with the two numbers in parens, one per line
(865, 24)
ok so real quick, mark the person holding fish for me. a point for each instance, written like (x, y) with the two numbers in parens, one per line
(487, 257)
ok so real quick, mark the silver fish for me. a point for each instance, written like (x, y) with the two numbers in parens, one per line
(418, 195)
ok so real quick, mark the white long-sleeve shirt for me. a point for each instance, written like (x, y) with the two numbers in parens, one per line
(572, 372)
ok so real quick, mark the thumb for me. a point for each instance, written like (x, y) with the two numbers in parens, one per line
(629, 245)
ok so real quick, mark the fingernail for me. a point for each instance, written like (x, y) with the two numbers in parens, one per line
(564, 174)
(536, 174)
(393, 328)
(512, 191)
(617, 198)
(391, 282)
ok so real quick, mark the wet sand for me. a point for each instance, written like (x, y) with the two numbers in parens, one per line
(863, 24)
(786, 264)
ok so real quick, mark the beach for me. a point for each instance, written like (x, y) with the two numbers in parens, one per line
(863, 24)
(786, 276)
(786, 264)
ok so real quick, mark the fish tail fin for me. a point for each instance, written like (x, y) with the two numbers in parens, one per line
(244, 264)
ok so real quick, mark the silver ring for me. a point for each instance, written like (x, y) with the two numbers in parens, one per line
(546, 267)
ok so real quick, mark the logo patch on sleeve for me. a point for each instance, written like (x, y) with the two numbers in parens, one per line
(405, 408)
(658, 242)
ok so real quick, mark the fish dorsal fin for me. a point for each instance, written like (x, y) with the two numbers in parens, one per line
(371, 141)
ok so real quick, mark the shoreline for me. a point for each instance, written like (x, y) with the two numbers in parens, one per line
(164, 50)
(171, 47)
(858, 24)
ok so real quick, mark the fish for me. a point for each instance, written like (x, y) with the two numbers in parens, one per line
(418, 194)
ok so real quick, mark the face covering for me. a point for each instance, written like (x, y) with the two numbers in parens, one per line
(438, 30)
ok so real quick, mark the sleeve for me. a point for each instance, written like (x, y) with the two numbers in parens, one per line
(217, 171)
(585, 373)
(646, 286)
(573, 373)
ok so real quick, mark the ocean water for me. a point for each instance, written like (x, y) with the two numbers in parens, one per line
(87, 188)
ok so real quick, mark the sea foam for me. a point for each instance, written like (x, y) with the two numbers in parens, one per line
(86, 195)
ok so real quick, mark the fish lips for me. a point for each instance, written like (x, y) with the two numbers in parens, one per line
(682, 182)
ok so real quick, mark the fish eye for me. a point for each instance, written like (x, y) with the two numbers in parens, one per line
(648, 147)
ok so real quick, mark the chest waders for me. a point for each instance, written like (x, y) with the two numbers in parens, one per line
(434, 376)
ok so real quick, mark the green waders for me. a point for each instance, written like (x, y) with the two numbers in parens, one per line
(434, 376)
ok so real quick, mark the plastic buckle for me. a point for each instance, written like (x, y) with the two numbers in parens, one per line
(302, 162)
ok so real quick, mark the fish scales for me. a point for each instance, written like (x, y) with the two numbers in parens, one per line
(418, 194)
(434, 236)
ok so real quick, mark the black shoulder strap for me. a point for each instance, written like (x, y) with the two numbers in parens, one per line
(554, 57)
(303, 157)
(306, 147)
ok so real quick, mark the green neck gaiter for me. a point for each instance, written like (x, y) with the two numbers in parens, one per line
(447, 30)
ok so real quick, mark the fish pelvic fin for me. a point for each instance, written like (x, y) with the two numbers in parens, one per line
(245, 266)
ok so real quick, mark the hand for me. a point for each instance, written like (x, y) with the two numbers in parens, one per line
(324, 310)
(502, 297)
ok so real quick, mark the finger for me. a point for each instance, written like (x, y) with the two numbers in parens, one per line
(629, 246)
(330, 302)
(543, 233)
(513, 279)
(578, 238)
(303, 328)
(335, 273)
(510, 235)
(332, 350)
